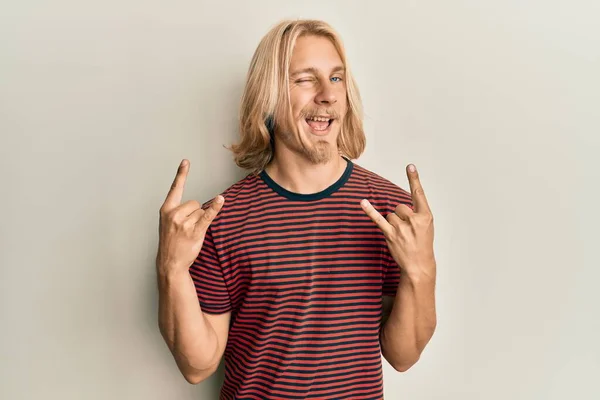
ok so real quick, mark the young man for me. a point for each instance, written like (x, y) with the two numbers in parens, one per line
(293, 274)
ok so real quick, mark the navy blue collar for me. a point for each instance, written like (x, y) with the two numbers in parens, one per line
(313, 196)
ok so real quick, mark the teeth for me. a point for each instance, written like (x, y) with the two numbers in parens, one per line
(321, 119)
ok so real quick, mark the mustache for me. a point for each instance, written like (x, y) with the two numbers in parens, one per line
(309, 113)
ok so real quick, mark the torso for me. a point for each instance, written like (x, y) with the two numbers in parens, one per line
(305, 276)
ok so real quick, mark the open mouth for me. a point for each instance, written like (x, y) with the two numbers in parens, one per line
(319, 124)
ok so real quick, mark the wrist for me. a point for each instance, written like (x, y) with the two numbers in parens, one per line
(169, 272)
(418, 276)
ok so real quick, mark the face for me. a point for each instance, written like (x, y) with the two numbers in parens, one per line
(318, 99)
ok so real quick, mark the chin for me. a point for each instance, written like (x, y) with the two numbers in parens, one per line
(320, 152)
(316, 148)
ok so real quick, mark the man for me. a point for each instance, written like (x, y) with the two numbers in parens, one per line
(293, 274)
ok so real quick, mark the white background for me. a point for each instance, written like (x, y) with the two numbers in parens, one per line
(496, 102)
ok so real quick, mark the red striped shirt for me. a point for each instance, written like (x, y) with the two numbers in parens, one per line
(303, 276)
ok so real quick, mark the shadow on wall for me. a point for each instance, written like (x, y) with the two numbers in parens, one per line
(212, 171)
(216, 381)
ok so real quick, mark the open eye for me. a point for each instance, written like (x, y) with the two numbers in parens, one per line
(339, 78)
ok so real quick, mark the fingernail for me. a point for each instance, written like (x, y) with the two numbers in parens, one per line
(364, 202)
(220, 199)
(412, 168)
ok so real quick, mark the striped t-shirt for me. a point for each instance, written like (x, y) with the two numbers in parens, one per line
(303, 276)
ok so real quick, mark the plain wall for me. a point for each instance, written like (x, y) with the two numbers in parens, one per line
(496, 102)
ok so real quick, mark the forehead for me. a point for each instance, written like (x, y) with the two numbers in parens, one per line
(315, 52)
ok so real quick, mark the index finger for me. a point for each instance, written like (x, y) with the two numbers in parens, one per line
(418, 194)
(176, 192)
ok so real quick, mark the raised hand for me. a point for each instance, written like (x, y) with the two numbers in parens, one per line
(182, 227)
(408, 233)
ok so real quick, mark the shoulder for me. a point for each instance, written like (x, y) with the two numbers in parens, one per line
(239, 196)
(239, 189)
(382, 191)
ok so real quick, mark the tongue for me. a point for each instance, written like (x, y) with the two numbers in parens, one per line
(318, 125)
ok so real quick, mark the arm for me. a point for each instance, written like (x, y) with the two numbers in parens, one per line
(196, 340)
(409, 235)
(409, 322)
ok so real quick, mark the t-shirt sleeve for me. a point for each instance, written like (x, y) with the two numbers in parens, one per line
(391, 278)
(207, 274)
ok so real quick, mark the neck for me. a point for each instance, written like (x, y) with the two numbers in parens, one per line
(299, 175)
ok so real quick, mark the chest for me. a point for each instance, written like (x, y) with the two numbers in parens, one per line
(324, 256)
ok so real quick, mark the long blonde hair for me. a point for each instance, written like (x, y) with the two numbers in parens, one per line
(267, 95)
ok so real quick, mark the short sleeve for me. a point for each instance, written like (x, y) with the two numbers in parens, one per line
(207, 274)
(391, 278)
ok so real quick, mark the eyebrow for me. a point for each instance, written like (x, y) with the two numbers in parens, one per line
(314, 71)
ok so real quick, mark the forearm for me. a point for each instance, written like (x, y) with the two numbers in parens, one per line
(411, 323)
(188, 334)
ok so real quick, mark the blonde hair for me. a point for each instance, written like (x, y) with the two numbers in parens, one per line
(266, 95)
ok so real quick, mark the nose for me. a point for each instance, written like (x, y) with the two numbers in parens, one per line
(326, 95)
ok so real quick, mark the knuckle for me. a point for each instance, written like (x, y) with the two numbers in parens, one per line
(165, 207)
(391, 234)
(188, 224)
(176, 217)
(208, 215)
(191, 203)
(167, 214)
